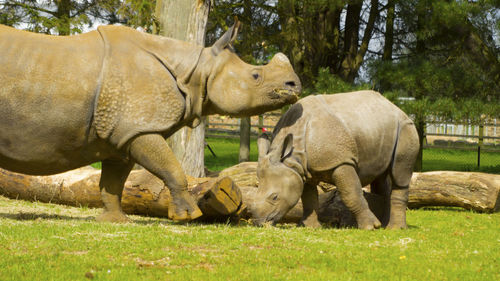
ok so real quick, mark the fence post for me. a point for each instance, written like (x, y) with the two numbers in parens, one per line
(480, 143)
(420, 124)
(261, 123)
(244, 140)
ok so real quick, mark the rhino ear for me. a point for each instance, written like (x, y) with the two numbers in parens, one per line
(287, 148)
(263, 144)
(226, 39)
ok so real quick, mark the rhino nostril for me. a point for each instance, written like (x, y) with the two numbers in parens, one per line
(290, 83)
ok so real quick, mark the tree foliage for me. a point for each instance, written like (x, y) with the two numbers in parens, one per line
(65, 17)
(442, 50)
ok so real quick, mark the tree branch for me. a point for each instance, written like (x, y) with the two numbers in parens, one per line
(26, 6)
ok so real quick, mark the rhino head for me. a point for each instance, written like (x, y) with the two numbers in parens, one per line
(239, 89)
(280, 183)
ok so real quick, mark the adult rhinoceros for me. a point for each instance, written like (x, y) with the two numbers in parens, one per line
(114, 95)
(349, 140)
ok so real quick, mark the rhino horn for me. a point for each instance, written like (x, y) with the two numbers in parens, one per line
(227, 39)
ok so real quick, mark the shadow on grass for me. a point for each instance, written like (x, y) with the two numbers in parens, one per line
(22, 216)
(452, 209)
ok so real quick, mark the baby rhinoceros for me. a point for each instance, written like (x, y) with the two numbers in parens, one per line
(349, 140)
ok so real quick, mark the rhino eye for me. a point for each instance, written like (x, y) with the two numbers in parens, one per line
(255, 76)
(273, 198)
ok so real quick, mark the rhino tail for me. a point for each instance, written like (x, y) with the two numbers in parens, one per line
(405, 153)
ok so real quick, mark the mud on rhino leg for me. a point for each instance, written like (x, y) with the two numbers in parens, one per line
(113, 176)
(152, 152)
(310, 205)
(347, 181)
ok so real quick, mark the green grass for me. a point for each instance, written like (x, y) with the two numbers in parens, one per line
(459, 160)
(51, 242)
(227, 151)
(434, 159)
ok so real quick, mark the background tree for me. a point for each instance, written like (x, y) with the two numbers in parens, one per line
(186, 20)
(444, 54)
(62, 17)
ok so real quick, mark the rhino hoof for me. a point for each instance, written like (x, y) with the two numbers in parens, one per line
(310, 222)
(116, 217)
(396, 226)
(185, 215)
(368, 221)
(183, 208)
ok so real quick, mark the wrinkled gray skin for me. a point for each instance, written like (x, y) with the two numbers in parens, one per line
(349, 140)
(114, 95)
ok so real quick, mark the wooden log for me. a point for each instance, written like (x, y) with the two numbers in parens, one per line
(143, 194)
(472, 191)
(234, 189)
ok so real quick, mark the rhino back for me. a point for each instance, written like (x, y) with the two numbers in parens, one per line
(47, 91)
(365, 120)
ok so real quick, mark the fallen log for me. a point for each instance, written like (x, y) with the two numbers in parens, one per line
(143, 194)
(234, 189)
(472, 191)
(475, 191)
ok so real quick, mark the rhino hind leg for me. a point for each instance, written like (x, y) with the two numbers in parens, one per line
(399, 202)
(113, 176)
(401, 171)
(152, 152)
(405, 155)
(347, 181)
(310, 204)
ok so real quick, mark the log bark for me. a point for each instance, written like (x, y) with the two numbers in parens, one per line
(226, 196)
(479, 192)
(472, 191)
(144, 194)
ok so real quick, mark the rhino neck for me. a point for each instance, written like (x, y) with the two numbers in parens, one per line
(182, 59)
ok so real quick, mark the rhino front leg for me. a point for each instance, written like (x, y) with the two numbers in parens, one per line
(347, 181)
(113, 176)
(152, 152)
(310, 206)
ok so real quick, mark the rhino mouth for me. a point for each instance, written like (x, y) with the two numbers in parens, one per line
(280, 93)
(271, 219)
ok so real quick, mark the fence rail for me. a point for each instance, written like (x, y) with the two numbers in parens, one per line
(211, 128)
(485, 138)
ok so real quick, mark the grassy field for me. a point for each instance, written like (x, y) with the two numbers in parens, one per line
(41, 241)
(434, 159)
(52, 242)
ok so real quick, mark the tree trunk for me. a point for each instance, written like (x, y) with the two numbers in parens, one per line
(351, 36)
(186, 20)
(63, 15)
(354, 56)
(244, 155)
(291, 33)
(420, 126)
(389, 31)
